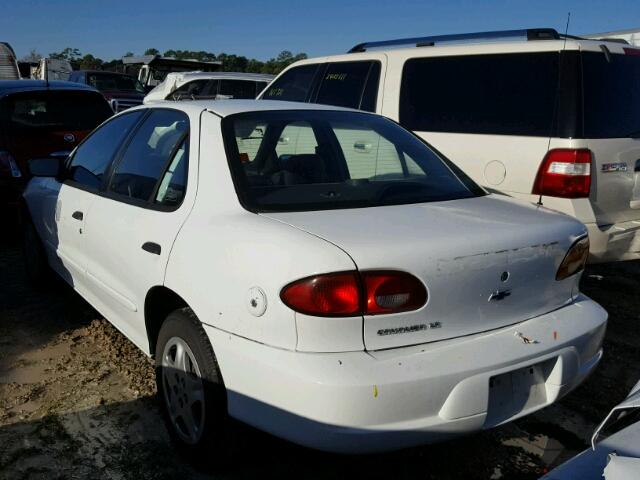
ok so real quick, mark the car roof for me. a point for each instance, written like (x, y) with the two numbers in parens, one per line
(108, 72)
(187, 76)
(468, 48)
(15, 86)
(224, 108)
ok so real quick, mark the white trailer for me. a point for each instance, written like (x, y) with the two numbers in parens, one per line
(8, 63)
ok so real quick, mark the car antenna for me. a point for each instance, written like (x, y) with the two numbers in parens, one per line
(46, 73)
(564, 44)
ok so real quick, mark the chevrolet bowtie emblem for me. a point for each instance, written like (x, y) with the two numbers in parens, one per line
(499, 295)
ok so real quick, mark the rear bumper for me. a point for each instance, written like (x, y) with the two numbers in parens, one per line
(374, 401)
(620, 241)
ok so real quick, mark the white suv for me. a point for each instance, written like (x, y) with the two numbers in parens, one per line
(532, 114)
(283, 270)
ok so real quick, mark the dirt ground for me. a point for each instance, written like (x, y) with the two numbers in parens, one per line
(77, 401)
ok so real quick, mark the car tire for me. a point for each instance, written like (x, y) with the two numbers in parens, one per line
(190, 389)
(35, 258)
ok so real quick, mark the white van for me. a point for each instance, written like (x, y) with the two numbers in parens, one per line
(533, 114)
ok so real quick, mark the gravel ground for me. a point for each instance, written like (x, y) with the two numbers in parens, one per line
(77, 401)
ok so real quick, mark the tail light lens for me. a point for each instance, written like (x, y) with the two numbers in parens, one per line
(575, 259)
(331, 295)
(8, 166)
(350, 293)
(392, 292)
(565, 173)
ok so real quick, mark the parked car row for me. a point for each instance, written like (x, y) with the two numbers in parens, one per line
(338, 280)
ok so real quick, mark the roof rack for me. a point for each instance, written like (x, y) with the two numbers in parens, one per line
(529, 34)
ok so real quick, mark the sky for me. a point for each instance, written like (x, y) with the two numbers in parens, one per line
(109, 29)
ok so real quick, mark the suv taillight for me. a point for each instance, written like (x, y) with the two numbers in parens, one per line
(347, 294)
(564, 172)
(8, 166)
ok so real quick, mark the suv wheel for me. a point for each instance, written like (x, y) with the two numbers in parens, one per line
(190, 386)
(35, 258)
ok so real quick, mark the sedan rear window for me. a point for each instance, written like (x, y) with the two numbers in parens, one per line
(54, 110)
(320, 160)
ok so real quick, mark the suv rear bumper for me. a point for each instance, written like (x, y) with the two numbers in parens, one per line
(620, 241)
(374, 401)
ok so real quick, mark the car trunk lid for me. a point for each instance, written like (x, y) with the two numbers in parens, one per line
(486, 262)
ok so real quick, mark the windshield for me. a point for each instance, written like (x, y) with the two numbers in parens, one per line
(319, 160)
(54, 110)
(107, 81)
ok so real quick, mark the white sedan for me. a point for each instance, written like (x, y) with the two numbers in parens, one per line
(319, 273)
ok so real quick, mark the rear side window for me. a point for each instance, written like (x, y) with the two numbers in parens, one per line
(343, 84)
(294, 85)
(611, 95)
(93, 156)
(155, 147)
(505, 94)
(49, 110)
(195, 89)
(237, 89)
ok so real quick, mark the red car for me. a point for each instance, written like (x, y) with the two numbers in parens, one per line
(40, 120)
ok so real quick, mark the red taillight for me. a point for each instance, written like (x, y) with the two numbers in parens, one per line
(392, 292)
(564, 172)
(334, 294)
(632, 51)
(8, 166)
(349, 294)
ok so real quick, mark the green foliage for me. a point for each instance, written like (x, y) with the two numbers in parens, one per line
(32, 56)
(230, 62)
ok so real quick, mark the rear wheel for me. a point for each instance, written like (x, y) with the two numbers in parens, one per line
(35, 258)
(190, 387)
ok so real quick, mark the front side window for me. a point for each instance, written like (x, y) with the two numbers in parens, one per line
(318, 160)
(158, 145)
(91, 159)
(502, 94)
(294, 85)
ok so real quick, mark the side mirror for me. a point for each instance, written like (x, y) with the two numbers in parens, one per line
(45, 167)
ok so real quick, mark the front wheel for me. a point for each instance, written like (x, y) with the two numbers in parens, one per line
(190, 387)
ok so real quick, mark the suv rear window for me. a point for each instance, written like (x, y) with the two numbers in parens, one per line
(503, 94)
(54, 110)
(611, 95)
(319, 160)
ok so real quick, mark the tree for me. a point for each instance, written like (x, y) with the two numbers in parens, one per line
(152, 51)
(72, 55)
(128, 54)
(32, 57)
(89, 62)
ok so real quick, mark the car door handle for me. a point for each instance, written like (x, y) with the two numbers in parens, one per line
(77, 215)
(152, 247)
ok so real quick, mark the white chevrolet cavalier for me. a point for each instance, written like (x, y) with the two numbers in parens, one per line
(319, 273)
